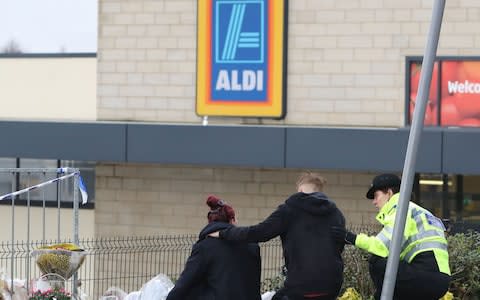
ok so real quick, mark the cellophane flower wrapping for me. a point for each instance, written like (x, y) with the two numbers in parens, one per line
(60, 259)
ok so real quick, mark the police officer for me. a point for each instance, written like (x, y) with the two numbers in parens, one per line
(423, 270)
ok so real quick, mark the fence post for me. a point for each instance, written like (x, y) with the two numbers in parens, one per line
(75, 227)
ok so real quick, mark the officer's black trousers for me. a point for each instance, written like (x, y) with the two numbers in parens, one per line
(412, 282)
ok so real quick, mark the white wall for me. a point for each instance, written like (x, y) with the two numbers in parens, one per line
(48, 88)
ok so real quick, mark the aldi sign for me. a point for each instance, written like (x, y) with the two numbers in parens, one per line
(241, 58)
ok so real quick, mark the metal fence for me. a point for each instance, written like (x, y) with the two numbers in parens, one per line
(123, 262)
(128, 262)
(26, 185)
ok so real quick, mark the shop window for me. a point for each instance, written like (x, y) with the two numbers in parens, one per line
(6, 178)
(454, 197)
(471, 199)
(435, 198)
(454, 93)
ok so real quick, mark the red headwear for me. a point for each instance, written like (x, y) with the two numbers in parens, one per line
(220, 211)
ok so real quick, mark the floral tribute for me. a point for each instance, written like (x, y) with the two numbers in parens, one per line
(51, 294)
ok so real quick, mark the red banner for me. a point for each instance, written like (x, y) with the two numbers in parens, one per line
(458, 83)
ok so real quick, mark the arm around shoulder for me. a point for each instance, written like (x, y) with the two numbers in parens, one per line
(271, 227)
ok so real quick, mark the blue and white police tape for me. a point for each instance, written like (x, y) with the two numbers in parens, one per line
(83, 189)
(81, 186)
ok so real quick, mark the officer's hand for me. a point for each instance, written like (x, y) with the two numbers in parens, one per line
(342, 235)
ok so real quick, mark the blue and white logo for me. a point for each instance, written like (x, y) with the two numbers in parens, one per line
(239, 44)
(239, 31)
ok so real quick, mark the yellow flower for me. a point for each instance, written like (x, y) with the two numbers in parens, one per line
(65, 246)
(350, 294)
(447, 296)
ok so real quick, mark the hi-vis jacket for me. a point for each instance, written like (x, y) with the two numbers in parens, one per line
(423, 232)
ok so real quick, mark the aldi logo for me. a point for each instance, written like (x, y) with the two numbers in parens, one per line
(241, 58)
(237, 41)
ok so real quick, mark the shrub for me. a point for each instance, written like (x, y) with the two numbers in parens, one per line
(464, 252)
(272, 284)
(355, 272)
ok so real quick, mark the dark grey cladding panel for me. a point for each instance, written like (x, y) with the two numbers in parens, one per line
(208, 145)
(70, 141)
(461, 151)
(374, 150)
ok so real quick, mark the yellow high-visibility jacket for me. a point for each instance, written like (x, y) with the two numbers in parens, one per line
(423, 232)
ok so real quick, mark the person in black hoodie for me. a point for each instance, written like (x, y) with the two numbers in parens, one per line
(217, 269)
(312, 258)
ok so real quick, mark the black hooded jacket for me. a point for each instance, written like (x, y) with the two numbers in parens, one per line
(219, 270)
(313, 259)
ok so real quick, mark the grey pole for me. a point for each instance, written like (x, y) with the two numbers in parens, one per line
(76, 239)
(412, 149)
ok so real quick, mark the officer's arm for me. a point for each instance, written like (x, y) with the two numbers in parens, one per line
(377, 245)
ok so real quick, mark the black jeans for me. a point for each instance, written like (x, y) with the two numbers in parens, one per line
(412, 283)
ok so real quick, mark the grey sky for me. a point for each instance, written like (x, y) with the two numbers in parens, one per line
(47, 26)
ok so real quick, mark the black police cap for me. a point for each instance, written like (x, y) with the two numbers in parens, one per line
(383, 181)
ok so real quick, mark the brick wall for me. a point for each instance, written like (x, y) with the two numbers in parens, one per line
(345, 58)
(147, 199)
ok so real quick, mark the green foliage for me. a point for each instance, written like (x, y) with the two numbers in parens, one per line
(355, 273)
(272, 284)
(464, 252)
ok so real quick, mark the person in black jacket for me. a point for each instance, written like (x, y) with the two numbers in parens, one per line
(312, 258)
(217, 269)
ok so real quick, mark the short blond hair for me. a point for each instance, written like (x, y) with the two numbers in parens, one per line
(317, 181)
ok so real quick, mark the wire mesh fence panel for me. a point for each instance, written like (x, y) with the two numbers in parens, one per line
(272, 258)
(128, 263)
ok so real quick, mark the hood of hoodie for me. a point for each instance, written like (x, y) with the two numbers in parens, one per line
(212, 227)
(315, 203)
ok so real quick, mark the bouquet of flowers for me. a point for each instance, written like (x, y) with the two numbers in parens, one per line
(51, 294)
(62, 259)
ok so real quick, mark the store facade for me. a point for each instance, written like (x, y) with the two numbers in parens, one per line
(346, 116)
